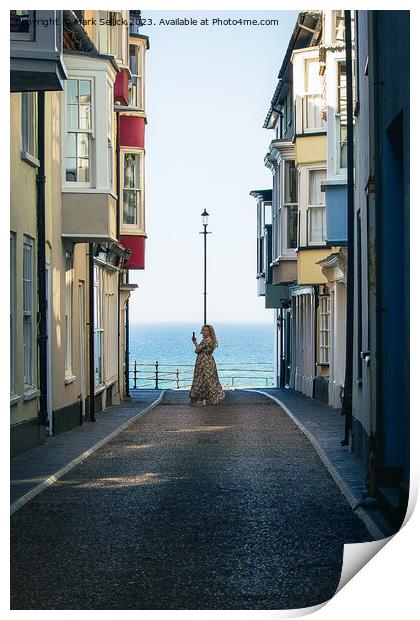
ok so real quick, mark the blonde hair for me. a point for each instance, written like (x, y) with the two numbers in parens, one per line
(212, 335)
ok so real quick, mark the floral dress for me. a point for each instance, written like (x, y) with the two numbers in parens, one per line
(206, 384)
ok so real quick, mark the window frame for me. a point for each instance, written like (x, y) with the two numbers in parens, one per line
(286, 248)
(91, 132)
(310, 207)
(68, 315)
(137, 77)
(306, 93)
(29, 110)
(28, 314)
(98, 327)
(139, 225)
(324, 330)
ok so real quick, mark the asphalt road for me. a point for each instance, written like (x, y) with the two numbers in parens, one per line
(217, 507)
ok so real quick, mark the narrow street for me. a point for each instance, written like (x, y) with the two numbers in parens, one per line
(216, 507)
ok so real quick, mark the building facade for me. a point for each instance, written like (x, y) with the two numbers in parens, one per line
(72, 360)
(339, 232)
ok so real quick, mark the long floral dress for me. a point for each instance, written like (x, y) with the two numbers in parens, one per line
(206, 384)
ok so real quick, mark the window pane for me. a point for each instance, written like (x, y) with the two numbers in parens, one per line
(72, 117)
(83, 145)
(131, 170)
(313, 82)
(27, 349)
(71, 91)
(292, 217)
(130, 207)
(316, 224)
(289, 182)
(84, 91)
(71, 169)
(133, 60)
(83, 175)
(84, 117)
(71, 145)
(98, 358)
(316, 197)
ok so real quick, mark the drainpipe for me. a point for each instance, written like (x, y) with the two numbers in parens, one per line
(42, 284)
(118, 237)
(348, 379)
(91, 337)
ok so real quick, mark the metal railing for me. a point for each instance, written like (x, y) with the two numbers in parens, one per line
(179, 376)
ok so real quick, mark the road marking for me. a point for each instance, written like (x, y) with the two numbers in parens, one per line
(371, 526)
(58, 474)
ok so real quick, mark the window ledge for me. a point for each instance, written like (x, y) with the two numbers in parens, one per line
(33, 161)
(69, 379)
(99, 389)
(30, 394)
(15, 399)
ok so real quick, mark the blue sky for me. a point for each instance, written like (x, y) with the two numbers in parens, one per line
(208, 91)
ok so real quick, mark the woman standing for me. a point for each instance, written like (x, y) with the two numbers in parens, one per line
(206, 385)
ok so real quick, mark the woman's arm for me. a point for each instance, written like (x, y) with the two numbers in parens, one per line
(196, 346)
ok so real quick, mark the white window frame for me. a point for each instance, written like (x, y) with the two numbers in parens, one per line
(68, 318)
(315, 206)
(139, 226)
(324, 329)
(307, 94)
(12, 343)
(340, 116)
(28, 314)
(110, 134)
(70, 130)
(98, 324)
(29, 103)
(286, 250)
(137, 78)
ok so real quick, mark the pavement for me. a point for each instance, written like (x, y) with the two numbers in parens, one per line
(217, 507)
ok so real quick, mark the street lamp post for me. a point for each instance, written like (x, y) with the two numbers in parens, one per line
(205, 232)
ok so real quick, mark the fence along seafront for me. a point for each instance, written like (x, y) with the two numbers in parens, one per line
(179, 376)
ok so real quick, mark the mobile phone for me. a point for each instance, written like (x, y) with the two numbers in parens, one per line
(193, 334)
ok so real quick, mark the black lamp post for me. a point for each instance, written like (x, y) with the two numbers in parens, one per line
(205, 218)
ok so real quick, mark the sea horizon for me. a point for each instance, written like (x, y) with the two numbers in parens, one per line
(245, 350)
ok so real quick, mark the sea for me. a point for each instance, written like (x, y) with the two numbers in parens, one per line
(244, 356)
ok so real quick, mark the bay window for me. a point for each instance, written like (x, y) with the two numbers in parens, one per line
(28, 310)
(316, 207)
(79, 130)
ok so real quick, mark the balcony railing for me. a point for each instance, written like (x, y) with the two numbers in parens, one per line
(179, 376)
